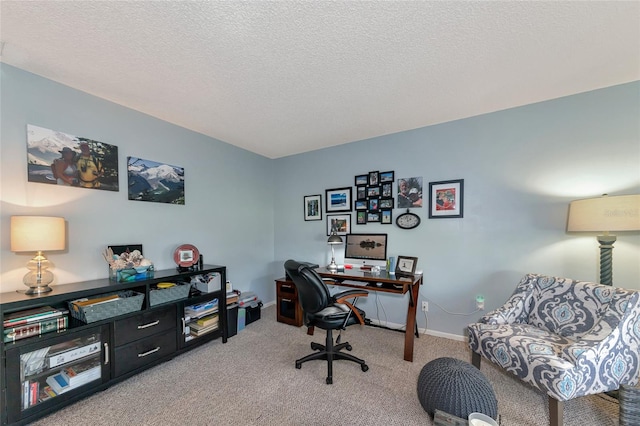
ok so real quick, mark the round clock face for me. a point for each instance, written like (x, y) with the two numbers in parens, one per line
(408, 220)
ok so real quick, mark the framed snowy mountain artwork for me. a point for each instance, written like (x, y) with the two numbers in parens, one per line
(59, 158)
(156, 182)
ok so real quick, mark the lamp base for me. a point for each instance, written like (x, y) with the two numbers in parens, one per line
(36, 290)
(332, 266)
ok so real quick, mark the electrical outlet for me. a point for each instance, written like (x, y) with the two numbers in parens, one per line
(425, 306)
(480, 302)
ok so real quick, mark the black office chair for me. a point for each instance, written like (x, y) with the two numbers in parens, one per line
(327, 312)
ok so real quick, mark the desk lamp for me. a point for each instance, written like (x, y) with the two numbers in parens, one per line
(605, 214)
(37, 234)
(334, 239)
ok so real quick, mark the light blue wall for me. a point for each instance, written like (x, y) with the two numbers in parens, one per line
(228, 213)
(521, 168)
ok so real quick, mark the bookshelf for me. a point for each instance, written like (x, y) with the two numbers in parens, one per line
(45, 368)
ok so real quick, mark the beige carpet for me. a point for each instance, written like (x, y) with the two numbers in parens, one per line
(252, 380)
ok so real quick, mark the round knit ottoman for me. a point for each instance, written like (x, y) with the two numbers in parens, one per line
(455, 387)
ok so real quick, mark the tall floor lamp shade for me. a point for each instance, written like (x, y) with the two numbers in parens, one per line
(605, 214)
(37, 234)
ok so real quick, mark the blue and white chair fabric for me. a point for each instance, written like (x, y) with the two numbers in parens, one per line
(567, 338)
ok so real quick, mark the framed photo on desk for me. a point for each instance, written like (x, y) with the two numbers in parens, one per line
(406, 265)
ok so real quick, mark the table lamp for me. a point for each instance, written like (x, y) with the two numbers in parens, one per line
(334, 239)
(605, 214)
(37, 234)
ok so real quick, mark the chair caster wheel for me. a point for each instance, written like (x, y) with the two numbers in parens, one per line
(348, 347)
(364, 367)
(329, 380)
(298, 365)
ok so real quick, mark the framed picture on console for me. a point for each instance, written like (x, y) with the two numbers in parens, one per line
(406, 265)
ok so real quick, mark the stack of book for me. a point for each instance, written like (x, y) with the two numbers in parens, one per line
(232, 297)
(202, 309)
(74, 376)
(204, 325)
(33, 322)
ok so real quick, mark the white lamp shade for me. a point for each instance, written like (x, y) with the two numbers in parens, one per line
(604, 214)
(37, 233)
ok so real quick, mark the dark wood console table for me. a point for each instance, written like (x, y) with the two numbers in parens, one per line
(383, 282)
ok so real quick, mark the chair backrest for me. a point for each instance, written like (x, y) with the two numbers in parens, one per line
(313, 293)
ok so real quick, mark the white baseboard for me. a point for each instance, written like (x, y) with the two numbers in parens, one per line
(420, 330)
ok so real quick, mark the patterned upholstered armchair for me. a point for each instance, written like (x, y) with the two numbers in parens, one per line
(564, 337)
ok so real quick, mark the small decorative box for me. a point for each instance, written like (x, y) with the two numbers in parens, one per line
(131, 274)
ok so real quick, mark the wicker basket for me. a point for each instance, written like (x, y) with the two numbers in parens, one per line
(629, 397)
(164, 295)
(129, 301)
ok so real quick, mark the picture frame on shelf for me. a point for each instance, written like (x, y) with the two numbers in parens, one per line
(313, 207)
(386, 217)
(361, 180)
(374, 178)
(338, 200)
(446, 199)
(340, 222)
(406, 265)
(386, 177)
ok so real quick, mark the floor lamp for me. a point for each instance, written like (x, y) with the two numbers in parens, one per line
(605, 214)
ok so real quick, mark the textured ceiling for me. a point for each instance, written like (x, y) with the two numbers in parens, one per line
(279, 78)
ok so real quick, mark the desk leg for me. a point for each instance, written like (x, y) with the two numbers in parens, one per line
(411, 321)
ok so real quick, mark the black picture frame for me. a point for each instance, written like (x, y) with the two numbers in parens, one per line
(361, 180)
(361, 217)
(387, 177)
(386, 217)
(373, 191)
(361, 192)
(342, 221)
(386, 203)
(374, 178)
(361, 205)
(387, 189)
(313, 207)
(373, 216)
(373, 204)
(446, 199)
(338, 200)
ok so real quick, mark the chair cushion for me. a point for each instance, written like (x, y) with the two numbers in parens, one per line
(333, 317)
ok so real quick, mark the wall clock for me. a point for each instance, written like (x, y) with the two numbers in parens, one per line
(408, 220)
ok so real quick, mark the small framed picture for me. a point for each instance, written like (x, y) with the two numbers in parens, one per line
(373, 217)
(361, 218)
(406, 265)
(361, 204)
(387, 189)
(361, 193)
(386, 177)
(374, 204)
(362, 180)
(373, 191)
(446, 199)
(313, 207)
(338, 199)
(374, 178)
(385, 217)
(386, 203)
(340, 223)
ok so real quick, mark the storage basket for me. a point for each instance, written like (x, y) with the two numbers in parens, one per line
(164, 295)
(131, 274)
(129, 301)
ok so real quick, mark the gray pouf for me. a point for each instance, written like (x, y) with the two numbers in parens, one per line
(455, 387)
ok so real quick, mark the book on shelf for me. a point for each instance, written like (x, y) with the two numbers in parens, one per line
(62, 357)
(35, 329)
(205, 330)
(58, 383)
(196, 326)
(232, 298)
(15, 319)
(202, 307)
(208, 320)
(85, 372)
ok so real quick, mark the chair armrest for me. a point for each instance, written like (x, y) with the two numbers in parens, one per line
(344, 296)
(515, 310)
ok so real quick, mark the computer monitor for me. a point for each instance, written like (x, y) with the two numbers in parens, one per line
(366, 250)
